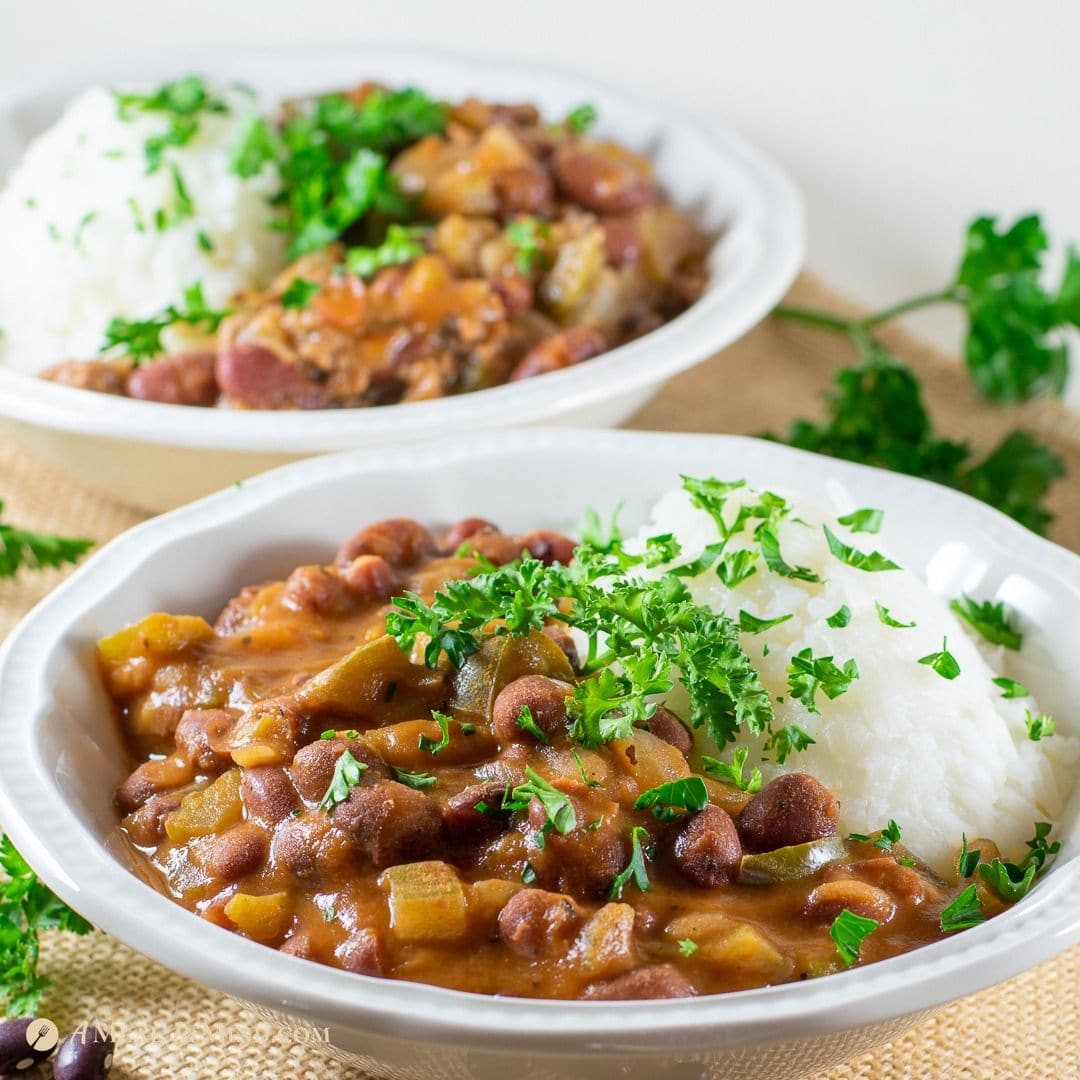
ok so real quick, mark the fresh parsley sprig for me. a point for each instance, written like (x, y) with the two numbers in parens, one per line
(27, 907)
(990, 620)
(25, 549)
(140, 339)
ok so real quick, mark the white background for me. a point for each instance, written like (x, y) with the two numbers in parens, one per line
(899, 121)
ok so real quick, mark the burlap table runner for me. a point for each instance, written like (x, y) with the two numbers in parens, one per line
(167, 1026)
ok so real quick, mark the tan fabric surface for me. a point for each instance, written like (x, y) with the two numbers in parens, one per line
(167, 1026)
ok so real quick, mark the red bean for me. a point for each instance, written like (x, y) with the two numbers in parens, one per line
(602, 181)
(830, 898)
(316, 589)
(464, 821)
(641, 984)
(151, 778)
(792, 809)
(583, 862)
(467, 529)
(369, 578)
(146, 826)
(534, 921)
(268, 793)
(561, 350)
(664, 724)
(313, 766)
(311, 845)
(495, 547)
(707, 848)
(546, 700)
(549, 547)
(524, 189)
(183, 379)
(390, 823)
(253, 377)
(516, 292)
(622, 241)
(361, 953)
(299, 944)
(236, 852)
(202, 737)
(400, 541)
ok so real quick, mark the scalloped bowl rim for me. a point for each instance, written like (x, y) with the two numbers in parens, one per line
(78, 867)
(727, 310)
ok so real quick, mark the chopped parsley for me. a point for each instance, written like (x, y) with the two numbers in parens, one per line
(866, 521)
(1009, 881)
(528, 874)
(968, 860)
(887, 619)
(688, 793)
(581, 118)
(526, 722)
(943, 662)
(735, 568)
(808, 674)
(687, 947)
(528, 237)
(733, 773)
(419, 781)
(402, 244)
(433, 746)
(1011, 688)
(560, 812)
(347, 775)
(963, 913)
(1040, 848)
(751, 624)
(299, 293)
(140, 339)
(1039, 727)
(25, 549)
(787, 741)
(635, 869)
(990, 620)
(329, 915)
(840, 617)
(584, 775)
(770, 552)
(886, 839)
(848, 932)
(872, 562)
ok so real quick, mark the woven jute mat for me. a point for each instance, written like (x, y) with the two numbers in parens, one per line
(167, 1026)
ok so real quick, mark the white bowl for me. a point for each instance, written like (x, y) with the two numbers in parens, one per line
(159, 456)
(62, 754)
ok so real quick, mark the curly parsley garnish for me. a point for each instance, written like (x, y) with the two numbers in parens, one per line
(27, 906)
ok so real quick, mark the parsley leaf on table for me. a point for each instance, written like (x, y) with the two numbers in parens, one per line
(27, 906)
(23, 548)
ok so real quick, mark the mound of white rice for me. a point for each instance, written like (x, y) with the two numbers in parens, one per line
(941, 757)
(77, 221)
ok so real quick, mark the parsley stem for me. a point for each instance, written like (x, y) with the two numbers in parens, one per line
(814, 318)
(942, 296)
(855, 327)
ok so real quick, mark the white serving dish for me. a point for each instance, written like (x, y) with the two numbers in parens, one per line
(159, 456)
(62, 754)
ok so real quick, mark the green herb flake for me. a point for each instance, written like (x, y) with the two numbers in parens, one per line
(733, 773)
(840, 618)
(787, 741)
(528, 874)
(402, 244)
(688, 793)
(990, 620)
(887, 619)
(1039, 727)
(433, 746)
(418, 781)
(872, 562)
(770, 552)
(24, 549)
(528, 237)
(581, 769)
(329, 915)
(864, 521)
(968, 860)
(886, 838)
(943, 662)
(848, 932)
(560, 812)
(687, 947)
(526, 722)
(751, 624)
(808, 674)
(963, 913)
(299, 293)
(347, 775)
(1009, 881)
(635, 869)
(581, 118)
(1011, 688)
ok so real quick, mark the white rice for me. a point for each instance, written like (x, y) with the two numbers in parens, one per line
(76, 255)
(942, 758)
